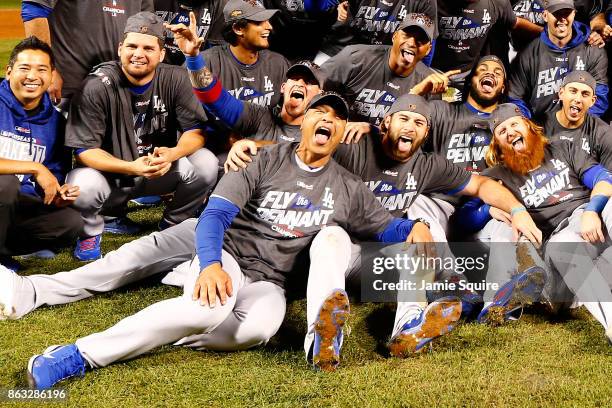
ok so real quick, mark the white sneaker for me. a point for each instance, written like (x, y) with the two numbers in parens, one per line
(7, 293)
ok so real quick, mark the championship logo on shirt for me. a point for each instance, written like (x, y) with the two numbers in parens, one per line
(377, 19)
(113, 8)
(391, 197)
(463, 28)
(373, 103)
(530, 10)
(549, 81)
(469, 149)
(290, 213)
(20, 146)
(546, 186)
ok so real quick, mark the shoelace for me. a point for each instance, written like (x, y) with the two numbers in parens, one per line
(61, 368)
(88, 244)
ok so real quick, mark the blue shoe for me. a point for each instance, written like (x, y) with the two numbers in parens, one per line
(54, 365)
(121, 226)
(88, 249)
(147, 201)
(471, 301)
(42, 254)
(522, 290)
(471, 304)
(438, 318)
(328, 331)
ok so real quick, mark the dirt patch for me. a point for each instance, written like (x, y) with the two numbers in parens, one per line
(12, 26)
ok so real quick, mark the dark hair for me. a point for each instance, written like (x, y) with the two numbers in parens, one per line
(228, 31)
(31, 43)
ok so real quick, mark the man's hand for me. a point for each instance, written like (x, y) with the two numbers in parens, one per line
(66, 195)
(590, 227)
(213, 280)
(596, 40)
(142, 167)
(343, 11)
(237, 156)
(522, 224)
(606, 32)
(163, 155)
(421, 236)
(47, 181)
(354, 131)
(55, 89)
(434, 83)
(186, 38)
(500, 215)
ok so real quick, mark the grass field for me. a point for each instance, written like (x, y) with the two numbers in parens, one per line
(533, 362)
(5, 49)
(10, 4)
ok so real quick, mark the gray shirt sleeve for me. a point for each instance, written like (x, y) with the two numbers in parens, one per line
(86, 125)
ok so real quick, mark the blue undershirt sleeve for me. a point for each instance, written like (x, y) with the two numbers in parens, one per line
(214, 221)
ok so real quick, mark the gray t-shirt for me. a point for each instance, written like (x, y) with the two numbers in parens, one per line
(259, 83)
(361, 73)
(396, 185)
(87, 33)
(554, 190)
(283, 207)
(260, 123)
(464, 26)
(209, 17)
(594, 136)
(104, 114)
(460, 133)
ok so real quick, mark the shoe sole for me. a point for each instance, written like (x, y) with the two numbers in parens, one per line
(332, 317)
(439, 318)
(526, 289)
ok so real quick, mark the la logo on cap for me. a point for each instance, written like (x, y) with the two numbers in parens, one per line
(412, 106)
(144, 29)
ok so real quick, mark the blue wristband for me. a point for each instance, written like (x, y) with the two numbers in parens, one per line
(597, 203)
(517, 210)
(195, 63)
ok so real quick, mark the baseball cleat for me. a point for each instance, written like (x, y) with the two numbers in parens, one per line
(121, 226)
(7, 293)
(88, 249)
(522, 290)
(56, 364)
(438, 318)
(328, 331)
(471, 301)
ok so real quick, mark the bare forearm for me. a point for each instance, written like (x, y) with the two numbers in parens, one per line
(189, 143)
(38, 27)
(598, 22)
(602, 188)
(103, 161)
(496, 195)
(8, 166)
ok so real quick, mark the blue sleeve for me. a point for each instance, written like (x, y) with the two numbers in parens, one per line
(397, 231)
(30, 11)
(216, 218)
(429, 57)
(317, 6)
(596, 174)
(460, 188)
(522, 106)
(473, 215)
(601, 104)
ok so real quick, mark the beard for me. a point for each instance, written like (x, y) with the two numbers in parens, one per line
(484, 102)
(523, 162)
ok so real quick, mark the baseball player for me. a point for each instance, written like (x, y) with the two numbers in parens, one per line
(464, 28)
(371, 86)
(566, 192)
(124, 125)
(209, 15)
(34, 212)
(572, 121)
(82, 35)
(267, 219)
(537, 73)
(460, 133)
(372, 22)
(245, 66)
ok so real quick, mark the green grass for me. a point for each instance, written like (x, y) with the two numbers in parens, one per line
(10, 4)
(6, 46)
(534, 362)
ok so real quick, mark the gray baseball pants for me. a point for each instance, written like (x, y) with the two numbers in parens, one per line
(189, 178)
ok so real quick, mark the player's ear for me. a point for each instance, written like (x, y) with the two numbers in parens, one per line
(119, 49)
(545, 15)
(162, 54)
(282, 90)
(561, 92)
(384, 125)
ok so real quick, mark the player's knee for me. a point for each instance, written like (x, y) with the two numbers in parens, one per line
(205, 166)
(330, 238)
(93, 187)
(9, 186)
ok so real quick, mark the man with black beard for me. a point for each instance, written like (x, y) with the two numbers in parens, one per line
(461, 134)
(567, 193)
(572, 121)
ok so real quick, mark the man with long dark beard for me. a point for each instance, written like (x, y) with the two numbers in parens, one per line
(566, 192)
